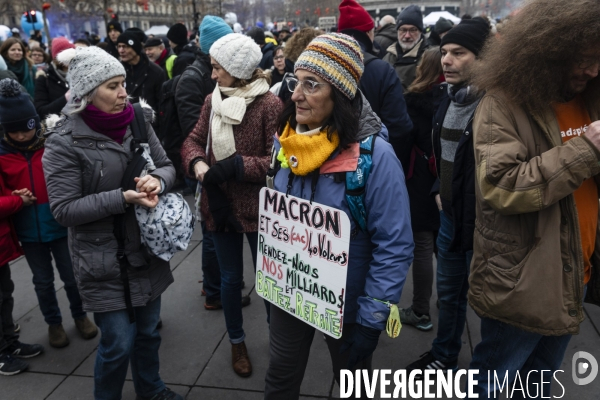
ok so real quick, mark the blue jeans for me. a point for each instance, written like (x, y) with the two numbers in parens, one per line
(229, 247)
(211, 273)
(505, 349)
(39, 257)
(122, 342)
(452, 287)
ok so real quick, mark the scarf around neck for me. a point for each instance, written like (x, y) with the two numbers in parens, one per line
(229, 112)
(23, 72)
(112, 125)
(305, 151)
(32, 145)
(462, 94)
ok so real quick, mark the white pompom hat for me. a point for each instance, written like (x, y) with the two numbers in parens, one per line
(237, 54)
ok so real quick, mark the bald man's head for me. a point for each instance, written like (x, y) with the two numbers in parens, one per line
(388, 19)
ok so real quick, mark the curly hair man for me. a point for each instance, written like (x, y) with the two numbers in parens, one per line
(536, 139)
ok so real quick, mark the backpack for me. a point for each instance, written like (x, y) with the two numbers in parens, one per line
(169, 130)
(355, 182)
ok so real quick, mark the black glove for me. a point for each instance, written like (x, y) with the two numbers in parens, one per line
(361, 342)
(220, 208)
(221, 172)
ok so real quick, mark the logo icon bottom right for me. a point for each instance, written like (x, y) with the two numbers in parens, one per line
(581, 367)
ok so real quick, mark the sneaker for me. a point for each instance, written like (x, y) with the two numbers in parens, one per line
(428, 361)
(240, 360)
(86, 328)
(217, 305)
(57, 335)
(408, 317)
(17, 328)
(165, 394)
(10, 365)
(22, 350)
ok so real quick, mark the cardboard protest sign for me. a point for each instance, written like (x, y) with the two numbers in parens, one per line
(303, 259)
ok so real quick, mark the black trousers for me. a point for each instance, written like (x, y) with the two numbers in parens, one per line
(7, 325)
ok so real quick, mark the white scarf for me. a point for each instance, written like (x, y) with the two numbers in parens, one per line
(230, 112)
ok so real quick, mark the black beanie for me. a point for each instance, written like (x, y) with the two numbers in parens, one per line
(178, 34)
(443, 25)
(17, 113)
(114, 25)
(132, 40)
(257, 34)
(139, 33)
(153, 42)
(411, 15)
(470, 34)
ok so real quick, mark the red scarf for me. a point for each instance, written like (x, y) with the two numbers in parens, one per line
(162, 57)
(112, 125)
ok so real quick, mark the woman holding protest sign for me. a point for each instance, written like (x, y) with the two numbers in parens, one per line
(322, 135)
(228, 151)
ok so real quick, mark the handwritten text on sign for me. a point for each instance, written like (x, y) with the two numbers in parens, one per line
(303, 259)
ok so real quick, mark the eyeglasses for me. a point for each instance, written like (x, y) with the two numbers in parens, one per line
(279, 58)
(308, 87)
(404, 31)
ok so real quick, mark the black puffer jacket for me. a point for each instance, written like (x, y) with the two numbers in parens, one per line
(186, 56)
(423, 209)
(50, 89)
(112, 48)
(145, 80)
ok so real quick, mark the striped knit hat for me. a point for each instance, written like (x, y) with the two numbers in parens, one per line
(335, 57)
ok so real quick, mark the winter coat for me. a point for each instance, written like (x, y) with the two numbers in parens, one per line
(50, 89)
(378, 261)
(527, 268)
(84, 169)
(144, 80)
(463, 174)
(267, 58)
(192, 89)
(9, 244)
(383, 90)
(8, 74)
(112, 48)
(387, 36)
(20, 170)
(253, 142)
(405, 64)
(423, 208)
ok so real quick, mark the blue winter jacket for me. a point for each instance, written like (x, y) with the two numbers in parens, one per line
(378, 261)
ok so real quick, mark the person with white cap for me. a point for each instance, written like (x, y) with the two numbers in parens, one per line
(87, 152)
(239, 120)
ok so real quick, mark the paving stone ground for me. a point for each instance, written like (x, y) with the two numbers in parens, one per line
(195, 352)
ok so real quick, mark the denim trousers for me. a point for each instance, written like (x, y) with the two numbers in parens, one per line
(39, 257)
(122, 343)
(505, 350)
(230, 253)
(211, 272)
(7, 325)
(290, 340)
(452, 287)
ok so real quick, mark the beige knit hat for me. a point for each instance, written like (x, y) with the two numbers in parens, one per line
(237, 54)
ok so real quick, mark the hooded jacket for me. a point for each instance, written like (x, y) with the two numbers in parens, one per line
(50, 89)
(387, 36)
(267, 58)
(405, 64)
(527, 268)
(83, 171)
(378, 261)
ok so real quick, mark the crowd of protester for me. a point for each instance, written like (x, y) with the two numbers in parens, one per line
(486, 162)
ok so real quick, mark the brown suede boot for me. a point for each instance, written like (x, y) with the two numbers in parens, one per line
(86, 328)
(58, 336)
(240, 360)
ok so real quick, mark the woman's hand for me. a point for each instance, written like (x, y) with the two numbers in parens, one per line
(148, 184)
(22, 192)
(200, 169)
(28, 200)
(141, 198)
